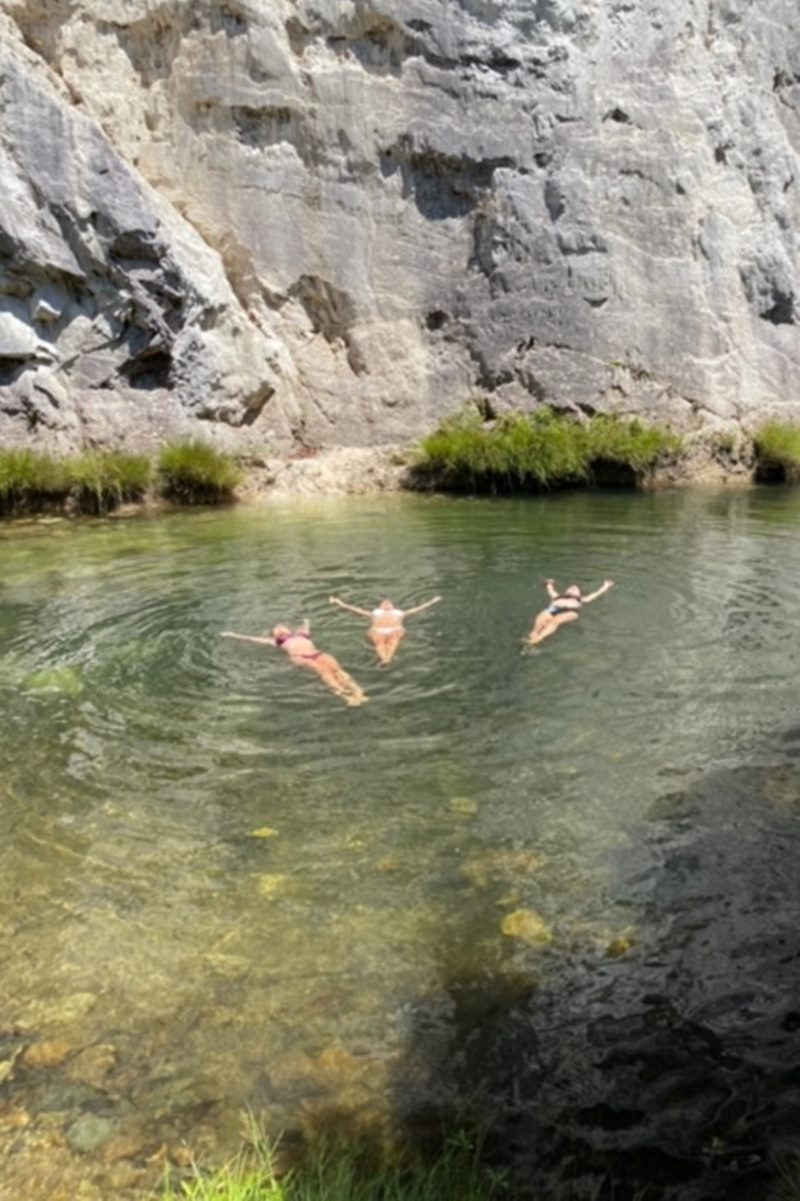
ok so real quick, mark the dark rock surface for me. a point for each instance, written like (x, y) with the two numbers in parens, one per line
(329, 222)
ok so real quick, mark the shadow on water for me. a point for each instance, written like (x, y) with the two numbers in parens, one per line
(666, 1070)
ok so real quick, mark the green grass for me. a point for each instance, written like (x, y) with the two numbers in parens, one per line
(102, 479)
(96, 481)
(332, 1173)
(777, 447)
(196, 473)
(30, 479)
(545, 449)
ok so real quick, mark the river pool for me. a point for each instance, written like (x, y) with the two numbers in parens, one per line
(556, 891)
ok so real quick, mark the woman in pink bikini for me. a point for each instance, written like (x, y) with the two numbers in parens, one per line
(302, 653)
(386, 630)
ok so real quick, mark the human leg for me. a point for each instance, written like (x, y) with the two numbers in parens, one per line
(386, 644)
(338, 680)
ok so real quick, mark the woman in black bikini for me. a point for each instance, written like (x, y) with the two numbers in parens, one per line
(563, 608)
(302, 653)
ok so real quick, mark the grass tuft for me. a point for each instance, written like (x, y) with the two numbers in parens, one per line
(777, 447)
(196, 473)
(102, 479)
(31, 480)
(341, 1173)
(542, 450)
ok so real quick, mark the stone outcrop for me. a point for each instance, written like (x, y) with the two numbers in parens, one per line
(320, 222)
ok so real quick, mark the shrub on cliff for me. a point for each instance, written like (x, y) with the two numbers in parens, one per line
(196, 473)
(102, 479)
(544, 449)
(31, 480)
(777, 447)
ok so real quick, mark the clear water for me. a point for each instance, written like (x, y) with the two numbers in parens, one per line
(337, 966)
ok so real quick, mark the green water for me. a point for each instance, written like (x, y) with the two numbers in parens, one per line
(288, 973)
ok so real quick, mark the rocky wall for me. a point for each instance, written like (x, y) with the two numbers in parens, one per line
(319, 222)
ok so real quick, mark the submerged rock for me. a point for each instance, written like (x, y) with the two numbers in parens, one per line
(464, 805)
(528, 926)
(63, 1011)
(65, 680)
(93, 1065)
(89, 1132)
(272, 884)
(48, 1054)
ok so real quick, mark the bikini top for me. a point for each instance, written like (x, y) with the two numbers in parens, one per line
(396, 613)
(577, 599)
(279, 641)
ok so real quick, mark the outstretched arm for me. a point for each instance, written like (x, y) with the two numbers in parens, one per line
(552, 591)
(263, 641)
(350, 608)
(418, 608)
(604, 587)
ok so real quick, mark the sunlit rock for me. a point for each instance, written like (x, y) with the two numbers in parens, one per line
(332, 223)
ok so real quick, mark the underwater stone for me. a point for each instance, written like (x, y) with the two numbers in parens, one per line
(528, 926)
(54, 679)
(464, 805)
(271, 884)
(88, 1133)
(48, 1054)
(93, 1065)
(61, 1012)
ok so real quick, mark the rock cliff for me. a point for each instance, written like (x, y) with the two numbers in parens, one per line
(324, 222)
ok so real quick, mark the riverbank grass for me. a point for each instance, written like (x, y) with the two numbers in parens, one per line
(93, 482)
(102, 479)
(340, 1173)
(777, 447)
(542, 450)
(196, 473)
(30, 479)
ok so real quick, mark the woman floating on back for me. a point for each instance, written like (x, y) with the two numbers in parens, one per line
(564, 608)
(386, 630)
(302, 653)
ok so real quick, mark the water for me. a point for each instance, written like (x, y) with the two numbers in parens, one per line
(222, 889)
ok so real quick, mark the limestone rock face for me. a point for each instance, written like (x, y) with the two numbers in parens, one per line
(323, 222)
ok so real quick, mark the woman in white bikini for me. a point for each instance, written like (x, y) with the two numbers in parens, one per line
(563, 608)
(386, 630)
(302, 653)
